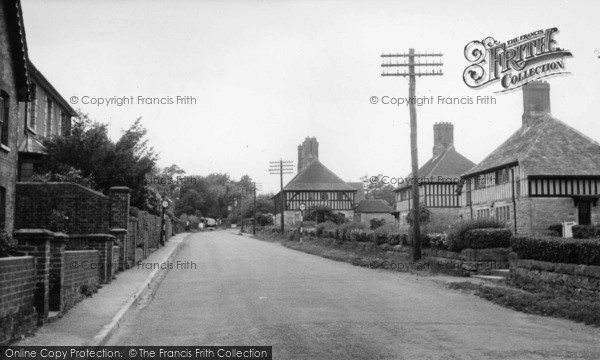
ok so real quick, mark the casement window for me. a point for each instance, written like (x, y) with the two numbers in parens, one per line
(2, 208)
(4, 118)
(502, 213)
(357, 217)
(48, 117)
(324, 196)
(502, 176)
(483, 213)
(32, 113)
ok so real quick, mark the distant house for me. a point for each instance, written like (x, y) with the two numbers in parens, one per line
(14, 87)
(46, 114)
(370, 209)
(438, 180)
(545, 173)
(314, 185)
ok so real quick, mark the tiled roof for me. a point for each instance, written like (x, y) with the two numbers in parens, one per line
(450, 164)
(29, 144)
(360, 191)
(546, 147)
(373, 206)
(317, 177)
(18, 43)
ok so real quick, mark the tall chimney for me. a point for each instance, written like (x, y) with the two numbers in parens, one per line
(308, 151)
(536, 101)
(443, 137)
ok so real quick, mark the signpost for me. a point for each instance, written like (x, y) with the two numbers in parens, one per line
(302, 208)
(165, 205)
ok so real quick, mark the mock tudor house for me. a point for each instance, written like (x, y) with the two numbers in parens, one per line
(313, 185)
(14, 87)
(438, 179)
(545, 173)
(47, 114)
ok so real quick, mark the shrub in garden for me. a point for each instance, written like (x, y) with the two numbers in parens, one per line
(326, 229)
(456, 235)
(8, 246)
(586, 231)
(487, 238)
(375, 223)
(435, 241)
(345, 229)
(556, 228)
(384, 233)
(361, 235)
(558, 250)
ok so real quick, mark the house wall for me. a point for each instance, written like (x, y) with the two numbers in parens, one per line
(367, 217)
(8, 155)
(34, 114)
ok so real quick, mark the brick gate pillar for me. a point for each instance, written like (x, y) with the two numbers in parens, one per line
(36, 243)
(104, 244)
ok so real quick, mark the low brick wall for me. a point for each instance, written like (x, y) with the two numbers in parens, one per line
(81, 276)
(573, 276)
(17, 282)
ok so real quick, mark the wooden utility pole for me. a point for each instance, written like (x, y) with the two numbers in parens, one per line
(412, 74)
(279, 168)
(254, 212)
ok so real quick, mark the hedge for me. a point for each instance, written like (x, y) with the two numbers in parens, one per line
(586, 231)
(487, 238)
(456, 236)
(558, 250)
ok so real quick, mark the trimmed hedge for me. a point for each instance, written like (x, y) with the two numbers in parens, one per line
(586, 231)
(487, 238)
(558, 250)
(456, 235)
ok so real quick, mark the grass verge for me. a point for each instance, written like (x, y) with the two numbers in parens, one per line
(534, 298)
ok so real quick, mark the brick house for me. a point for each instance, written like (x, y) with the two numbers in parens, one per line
(314, 184)
(545, 173)
(370, 209)
(14, 87)
(438, 179)
(47, 114)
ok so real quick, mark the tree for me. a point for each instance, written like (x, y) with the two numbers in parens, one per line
(379, 190)
(89, 151)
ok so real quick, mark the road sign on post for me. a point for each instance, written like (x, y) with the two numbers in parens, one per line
(302, 208)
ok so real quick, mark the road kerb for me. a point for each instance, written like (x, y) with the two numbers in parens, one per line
(102, 337)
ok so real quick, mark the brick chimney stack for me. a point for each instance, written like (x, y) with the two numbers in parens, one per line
(536, 101)
(308, 151)
(443, 137)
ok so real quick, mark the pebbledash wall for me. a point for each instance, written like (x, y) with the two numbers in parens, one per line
(59, 269)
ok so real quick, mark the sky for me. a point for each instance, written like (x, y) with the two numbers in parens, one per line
(266, 74)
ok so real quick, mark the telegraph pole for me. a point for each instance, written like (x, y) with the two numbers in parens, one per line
(412, 74)
(254, 212)
(279, 168)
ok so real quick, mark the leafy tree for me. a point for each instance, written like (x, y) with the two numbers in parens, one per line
(89, 151)
(379, 190)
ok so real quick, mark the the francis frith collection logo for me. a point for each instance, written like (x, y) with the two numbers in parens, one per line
(516, 62)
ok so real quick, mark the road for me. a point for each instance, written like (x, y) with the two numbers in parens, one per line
(244, 291)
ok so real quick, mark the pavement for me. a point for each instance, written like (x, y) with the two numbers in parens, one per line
(93, 321)
(237, 290)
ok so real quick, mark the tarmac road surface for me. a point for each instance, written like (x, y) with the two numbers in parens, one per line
(235, 290)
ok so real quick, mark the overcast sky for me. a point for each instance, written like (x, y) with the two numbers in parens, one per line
(266, 74)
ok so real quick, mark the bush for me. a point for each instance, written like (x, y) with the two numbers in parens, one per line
(325, 229)
(487, 238)
(386, 233)
(456, 235)
(345, 229)
(375, 223)
(8, 246)
(586, 231)
(435, 241)
(361, 235)
(558, 250)
(556, 228)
